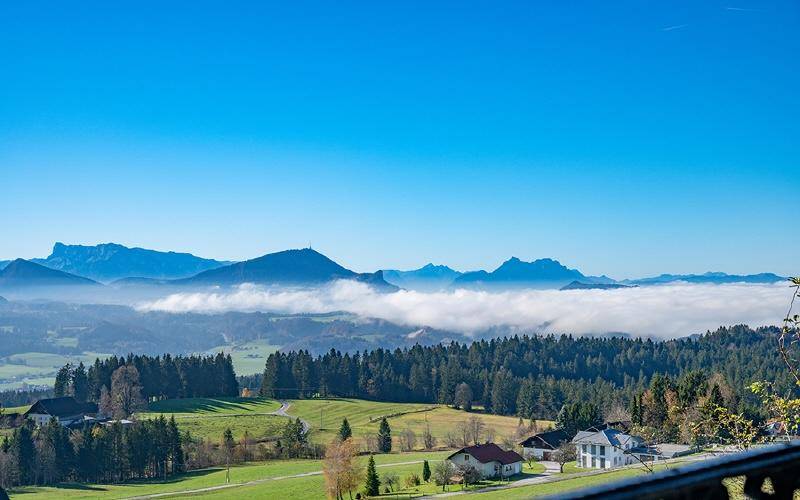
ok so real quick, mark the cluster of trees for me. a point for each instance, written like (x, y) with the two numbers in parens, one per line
(344, 473)
(160, 377)
(113, 453)
(528, 376)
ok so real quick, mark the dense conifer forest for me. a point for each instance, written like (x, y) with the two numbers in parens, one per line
(535, 376)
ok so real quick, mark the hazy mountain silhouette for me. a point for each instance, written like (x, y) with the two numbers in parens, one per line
(23, 273)
(290, 267)
(110, 261)
(710, 277)
(577, 285)
(427, 278)
(541, 273)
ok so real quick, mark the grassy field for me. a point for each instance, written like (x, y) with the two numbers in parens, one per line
(37, 368)
(325, 416)
(273, 474)
(248, 358)
(209, 417)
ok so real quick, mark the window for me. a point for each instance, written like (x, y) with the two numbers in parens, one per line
(602, 449)
(466, 457)
(593, 463)
(602, 463)
(583, 447)
(594, 450)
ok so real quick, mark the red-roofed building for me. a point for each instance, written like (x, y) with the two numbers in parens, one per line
(489, 460)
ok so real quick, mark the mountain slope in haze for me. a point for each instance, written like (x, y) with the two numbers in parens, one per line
(110, 261)
(710, 278)
(23, 273)
(578, 285)
(289, 267)
(541, 273)
(4, 263)
(427, 278)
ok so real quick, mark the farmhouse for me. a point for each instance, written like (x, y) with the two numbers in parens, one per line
(543, 444)
(489, 460)
(605, 449)
(67, 410)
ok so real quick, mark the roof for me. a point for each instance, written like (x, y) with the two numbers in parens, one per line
(623, 425)
(490, 452)
(61, 407)
(610, 437)
(550, 439)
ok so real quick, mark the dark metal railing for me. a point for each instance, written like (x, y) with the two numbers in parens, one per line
(778, 463)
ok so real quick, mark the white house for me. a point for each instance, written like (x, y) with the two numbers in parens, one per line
(66, 410)
(605, 449)
(542, 445)
(489, 460)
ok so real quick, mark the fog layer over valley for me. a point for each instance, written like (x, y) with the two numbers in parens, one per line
(665, 311)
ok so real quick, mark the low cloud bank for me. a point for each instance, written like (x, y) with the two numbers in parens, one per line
(658, 311)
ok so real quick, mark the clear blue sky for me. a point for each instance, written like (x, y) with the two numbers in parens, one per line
(628, 138)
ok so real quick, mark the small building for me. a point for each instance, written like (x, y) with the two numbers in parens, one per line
(67, 410)
(663, 451)
(605, 449)
(489, 460)
(542, 445)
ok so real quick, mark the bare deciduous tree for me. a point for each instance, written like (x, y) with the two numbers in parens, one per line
(427, 438)
(474, 428)
(407, 439)
(563, 454)
(126, 391)
(341, 469)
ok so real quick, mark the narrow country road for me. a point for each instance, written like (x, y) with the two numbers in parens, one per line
(281, 412)
(248, 483)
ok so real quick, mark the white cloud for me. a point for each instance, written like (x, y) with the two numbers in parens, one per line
(660, 311)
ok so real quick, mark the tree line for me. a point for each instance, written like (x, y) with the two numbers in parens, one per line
(533, 377)
(110, 453)
(159, 377)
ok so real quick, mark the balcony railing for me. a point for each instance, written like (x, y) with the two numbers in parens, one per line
(778, 463)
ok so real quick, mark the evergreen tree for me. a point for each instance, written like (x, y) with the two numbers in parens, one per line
(372, 487)
(384, 436)
(24, 451)
(426, 471)
(344, 430)
(80, 383)
(175, 445)
(63, 377)
(715, 396)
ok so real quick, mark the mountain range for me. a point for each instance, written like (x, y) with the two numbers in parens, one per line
(109, 262)
(428, 278)
(137, 267)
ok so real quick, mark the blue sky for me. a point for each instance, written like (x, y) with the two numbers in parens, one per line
(627, 138)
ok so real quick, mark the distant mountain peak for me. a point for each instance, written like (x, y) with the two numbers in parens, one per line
(24, 273)
(303, 266)
(112, 261)
(540, 273)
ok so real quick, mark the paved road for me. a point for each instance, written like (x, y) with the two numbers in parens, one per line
(281, 412)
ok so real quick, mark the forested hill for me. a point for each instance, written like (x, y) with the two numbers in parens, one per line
(533, 376)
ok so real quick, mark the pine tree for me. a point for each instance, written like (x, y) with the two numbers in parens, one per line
(426, 471)
(384, 437)
(176, 450)
(372, 487)
(61, 386)
(80, 383)
(344, 431)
